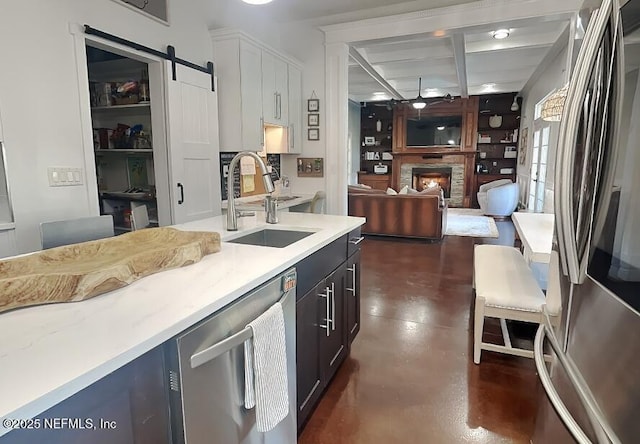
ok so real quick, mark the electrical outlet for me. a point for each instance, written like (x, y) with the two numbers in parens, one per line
(64, 177)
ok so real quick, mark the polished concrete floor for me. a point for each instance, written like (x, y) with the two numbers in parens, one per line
(411, 377)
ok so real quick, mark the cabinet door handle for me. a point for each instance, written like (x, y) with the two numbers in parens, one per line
(327, 309)
(356, 240)
(262, 132)
(275, 105)
(279, 106)
(353, 279)
(181, 200)
(333, 306)
(292, 140)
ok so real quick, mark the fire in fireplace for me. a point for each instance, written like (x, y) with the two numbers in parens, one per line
(430, 177)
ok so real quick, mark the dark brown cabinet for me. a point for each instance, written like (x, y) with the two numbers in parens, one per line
(333, 343)
(328, 317)
(309, 313)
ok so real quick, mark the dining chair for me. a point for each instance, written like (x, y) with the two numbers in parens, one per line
(317, 203)
(73, 231)
(139, 218)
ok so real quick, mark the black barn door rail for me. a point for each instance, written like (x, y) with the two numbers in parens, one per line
(169, 55)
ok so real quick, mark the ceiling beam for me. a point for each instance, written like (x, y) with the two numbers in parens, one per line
(459, 54)
(369, 69)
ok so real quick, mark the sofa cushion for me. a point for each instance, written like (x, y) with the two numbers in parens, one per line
(391, 192)
(360, 190)
(433, 191)
(404, 190)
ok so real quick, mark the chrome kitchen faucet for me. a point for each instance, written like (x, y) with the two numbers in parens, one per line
(232, 215)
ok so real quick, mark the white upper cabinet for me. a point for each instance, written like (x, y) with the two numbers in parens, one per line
(275, 90)
(258, 87)
(239, 70)
(295, 110)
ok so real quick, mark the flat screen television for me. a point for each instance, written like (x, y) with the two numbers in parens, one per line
(433, 131)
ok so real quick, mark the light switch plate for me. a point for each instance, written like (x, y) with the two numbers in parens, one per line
(64, 176)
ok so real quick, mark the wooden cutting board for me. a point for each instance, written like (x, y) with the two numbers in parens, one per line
(81, 271)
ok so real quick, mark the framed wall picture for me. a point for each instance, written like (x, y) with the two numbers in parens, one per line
(313, 134)
(313, 119)
(310, 166)
(313, 105)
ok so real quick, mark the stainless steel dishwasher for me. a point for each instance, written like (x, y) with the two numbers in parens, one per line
(206, 371)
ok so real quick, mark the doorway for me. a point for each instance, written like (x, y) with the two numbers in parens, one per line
(129, 145)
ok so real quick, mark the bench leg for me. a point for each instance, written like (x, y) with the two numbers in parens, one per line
(478, 325)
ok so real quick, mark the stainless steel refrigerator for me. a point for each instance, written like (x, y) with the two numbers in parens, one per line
(593, 383)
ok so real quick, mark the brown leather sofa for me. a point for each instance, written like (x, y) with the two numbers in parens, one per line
(406, 215)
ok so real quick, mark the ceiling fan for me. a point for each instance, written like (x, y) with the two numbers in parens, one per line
(420, 102)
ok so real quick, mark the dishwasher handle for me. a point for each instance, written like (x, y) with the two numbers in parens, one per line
(212, 352)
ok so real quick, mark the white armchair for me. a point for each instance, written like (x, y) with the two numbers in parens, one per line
(498, 198)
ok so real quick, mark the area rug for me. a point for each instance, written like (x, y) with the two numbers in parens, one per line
(470, 222)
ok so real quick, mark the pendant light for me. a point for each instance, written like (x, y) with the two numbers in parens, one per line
(418, 102)
(257, 2)
(514, 105)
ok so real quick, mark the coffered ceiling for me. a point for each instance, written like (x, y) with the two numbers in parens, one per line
(457, 61)
(460, 62)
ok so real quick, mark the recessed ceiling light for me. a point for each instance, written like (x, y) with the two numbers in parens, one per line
(441, 128)
(500, 34)
(257, 2)
(488, 85)
(452, 142)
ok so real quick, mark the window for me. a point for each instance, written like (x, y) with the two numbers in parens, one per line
(539, 157)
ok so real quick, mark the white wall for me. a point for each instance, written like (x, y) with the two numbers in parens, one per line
(40, 101)
(354, 139)
(551, 79)
(306, 43)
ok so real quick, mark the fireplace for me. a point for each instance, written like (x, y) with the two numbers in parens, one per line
(423, 178)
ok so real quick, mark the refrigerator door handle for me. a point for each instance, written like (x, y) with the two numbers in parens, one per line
(600, 425)
(569, 126)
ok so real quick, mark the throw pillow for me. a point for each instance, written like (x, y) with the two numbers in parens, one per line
(404, 190)
(391, 191)
(359, 190)
(434, 191)
(412, 191)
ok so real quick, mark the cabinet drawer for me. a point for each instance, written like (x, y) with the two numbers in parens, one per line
(320, 264)
(353, 241)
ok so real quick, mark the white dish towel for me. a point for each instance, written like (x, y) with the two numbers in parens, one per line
(265, 369)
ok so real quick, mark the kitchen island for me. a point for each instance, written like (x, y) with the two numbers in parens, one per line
(49, 353)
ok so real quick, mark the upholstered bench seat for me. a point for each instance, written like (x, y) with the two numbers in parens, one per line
(504, 280)
(506, 289)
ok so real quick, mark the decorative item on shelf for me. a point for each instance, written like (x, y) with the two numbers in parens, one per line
(508, 137)
(144, 86)
(483, 155)
(380, 169)
(379, 125)
(495, 121)
(510, 152)
(313, 134)
(506, 170)
(484, 138)
(376, 155)
(310, 166)
(369, 141)
(313, 119)
(387, 156)
(514, 136)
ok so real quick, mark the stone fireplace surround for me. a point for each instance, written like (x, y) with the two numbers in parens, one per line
(406, 163)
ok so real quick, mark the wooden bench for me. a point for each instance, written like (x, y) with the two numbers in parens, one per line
(506, 289)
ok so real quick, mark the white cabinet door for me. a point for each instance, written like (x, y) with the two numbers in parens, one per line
(275, 102)
(269, 93)
(295, 110)
(251, 97)
(282, 91)
(192, 127)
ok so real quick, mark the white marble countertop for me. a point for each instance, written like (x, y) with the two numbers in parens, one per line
(536, 233)
(255, 203)
(51, 352)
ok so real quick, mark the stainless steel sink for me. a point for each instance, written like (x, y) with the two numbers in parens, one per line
(271, 238)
